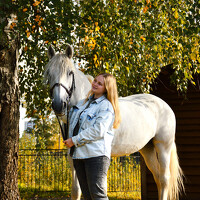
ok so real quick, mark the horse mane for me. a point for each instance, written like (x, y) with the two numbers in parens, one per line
(90, 78)
(57, 66)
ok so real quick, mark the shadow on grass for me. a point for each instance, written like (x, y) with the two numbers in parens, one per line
(39, 195)
(61, 196)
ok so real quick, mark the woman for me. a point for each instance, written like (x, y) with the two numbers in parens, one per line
(91, 134)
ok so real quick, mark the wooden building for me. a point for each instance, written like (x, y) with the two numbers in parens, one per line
(187, 111)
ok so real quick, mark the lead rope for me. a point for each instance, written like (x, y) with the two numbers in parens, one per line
(67, 125)
(62, 131)
(65, 131)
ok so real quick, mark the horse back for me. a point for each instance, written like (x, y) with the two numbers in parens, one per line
(144, 117)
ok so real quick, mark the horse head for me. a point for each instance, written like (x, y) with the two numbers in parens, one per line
(59, 74)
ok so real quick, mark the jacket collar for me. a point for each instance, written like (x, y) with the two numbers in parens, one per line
(99, 99)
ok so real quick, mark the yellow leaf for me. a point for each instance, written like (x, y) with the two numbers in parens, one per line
(143, 38)
(127, 68)
(28, 34)
(36, 3)
(180, 46)
(145, 9)
(96, 23)
(95, 58)
(86, 38)
(93, 46)
(193, 56)
(148, 1)
(97, 29)
(97, 63)
(25, 9)
(14, 24)
(176, 14)
(37, 18)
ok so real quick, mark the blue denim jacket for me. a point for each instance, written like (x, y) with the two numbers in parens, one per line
(96, 128)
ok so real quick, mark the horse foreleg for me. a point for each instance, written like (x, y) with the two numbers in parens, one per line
(76, 191)
(149, 154)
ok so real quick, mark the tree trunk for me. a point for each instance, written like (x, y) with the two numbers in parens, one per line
(9, 118)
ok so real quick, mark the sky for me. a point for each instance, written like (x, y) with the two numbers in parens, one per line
(22, 120)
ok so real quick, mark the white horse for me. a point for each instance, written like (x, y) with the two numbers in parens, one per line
(148, 124)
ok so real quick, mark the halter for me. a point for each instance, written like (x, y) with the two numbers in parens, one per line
(69, 92)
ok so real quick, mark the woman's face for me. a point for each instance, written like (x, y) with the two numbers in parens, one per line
(98, 86)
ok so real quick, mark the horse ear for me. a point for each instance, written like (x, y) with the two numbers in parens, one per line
(69, 51)
(51, 52)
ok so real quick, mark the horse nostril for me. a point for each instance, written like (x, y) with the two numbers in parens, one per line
(64, 104)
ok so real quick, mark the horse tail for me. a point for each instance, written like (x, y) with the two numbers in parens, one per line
(176, 179)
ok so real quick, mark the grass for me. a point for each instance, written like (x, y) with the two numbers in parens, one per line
(124, 195)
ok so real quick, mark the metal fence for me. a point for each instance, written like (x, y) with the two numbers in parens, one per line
(48, 170)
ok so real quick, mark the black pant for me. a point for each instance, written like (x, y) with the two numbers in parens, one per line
(92, 176)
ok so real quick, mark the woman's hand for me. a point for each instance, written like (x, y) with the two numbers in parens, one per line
(69, 143)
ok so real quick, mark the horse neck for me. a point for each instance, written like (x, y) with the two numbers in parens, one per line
(82, 85)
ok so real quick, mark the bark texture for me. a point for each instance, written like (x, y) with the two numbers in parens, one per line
(9, 118)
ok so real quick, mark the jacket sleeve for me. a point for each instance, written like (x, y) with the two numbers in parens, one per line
(103, 122)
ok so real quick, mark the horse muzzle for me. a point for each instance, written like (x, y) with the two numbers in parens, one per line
(59, 107)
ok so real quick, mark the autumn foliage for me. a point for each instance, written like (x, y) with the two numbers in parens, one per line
(131, 39)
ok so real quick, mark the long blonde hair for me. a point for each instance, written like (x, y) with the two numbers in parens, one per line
(112, 96)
